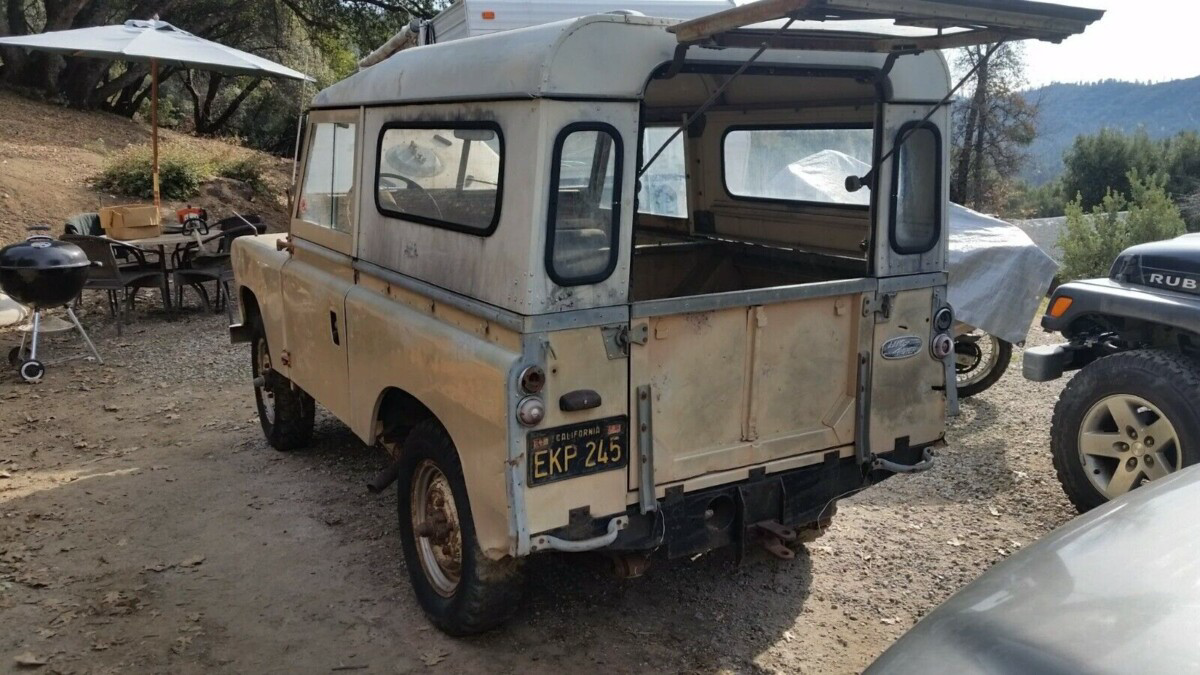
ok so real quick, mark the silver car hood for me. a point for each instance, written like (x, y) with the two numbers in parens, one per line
(1114, 591)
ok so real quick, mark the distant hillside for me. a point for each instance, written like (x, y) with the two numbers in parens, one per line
(1068, 110)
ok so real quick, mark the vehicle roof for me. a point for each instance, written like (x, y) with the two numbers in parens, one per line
(606, 56)
(1108, 592)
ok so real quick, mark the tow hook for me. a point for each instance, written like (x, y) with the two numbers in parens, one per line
(774, 537)
(926, 463)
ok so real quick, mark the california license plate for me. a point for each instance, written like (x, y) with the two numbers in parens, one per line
(578, 450)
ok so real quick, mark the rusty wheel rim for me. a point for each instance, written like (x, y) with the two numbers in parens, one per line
(436, 528)
(1125, 441)
(265, 394)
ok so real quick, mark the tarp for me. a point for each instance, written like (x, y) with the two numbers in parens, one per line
(998, 276)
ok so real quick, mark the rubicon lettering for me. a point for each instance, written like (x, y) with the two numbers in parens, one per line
(1176, 281)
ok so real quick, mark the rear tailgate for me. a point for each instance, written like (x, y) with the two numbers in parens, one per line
(741, 379)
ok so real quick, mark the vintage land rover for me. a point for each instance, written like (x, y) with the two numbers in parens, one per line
(607, 285)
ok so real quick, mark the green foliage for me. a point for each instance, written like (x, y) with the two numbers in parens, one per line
(181, 170)
(1100, 163)
(1104, 162)
(1090, 243)
(250, 169)
(1035, 201)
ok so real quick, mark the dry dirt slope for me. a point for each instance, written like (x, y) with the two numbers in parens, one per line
(48, 153)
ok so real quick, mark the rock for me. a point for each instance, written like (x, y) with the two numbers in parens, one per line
(29, 660)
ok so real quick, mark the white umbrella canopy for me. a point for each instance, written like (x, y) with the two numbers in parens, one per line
(156, 42)
(153, 41)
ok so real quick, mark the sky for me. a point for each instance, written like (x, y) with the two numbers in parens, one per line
(1137, 40)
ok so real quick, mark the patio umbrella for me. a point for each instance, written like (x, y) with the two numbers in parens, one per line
(156, 42)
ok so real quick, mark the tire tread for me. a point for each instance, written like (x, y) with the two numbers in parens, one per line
(1178, 368)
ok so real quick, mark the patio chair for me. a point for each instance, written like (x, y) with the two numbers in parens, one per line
(116, 278)
(84, 223)
(195, 264)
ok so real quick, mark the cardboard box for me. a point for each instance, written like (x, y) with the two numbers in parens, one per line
(130, 222)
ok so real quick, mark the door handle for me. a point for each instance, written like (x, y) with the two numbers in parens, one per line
(333, 328)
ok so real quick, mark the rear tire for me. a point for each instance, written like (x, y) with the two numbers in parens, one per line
(462, 591)
(285, 412)
(1125, 420)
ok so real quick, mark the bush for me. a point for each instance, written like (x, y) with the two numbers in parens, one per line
(1090, 244)
(249, 169)
(181, 171)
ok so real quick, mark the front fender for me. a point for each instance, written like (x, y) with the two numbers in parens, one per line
(1105, 297)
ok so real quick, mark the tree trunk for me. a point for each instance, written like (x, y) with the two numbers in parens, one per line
(960, 181)
(981, 132)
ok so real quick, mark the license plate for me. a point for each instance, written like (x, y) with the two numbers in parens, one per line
(578, 450)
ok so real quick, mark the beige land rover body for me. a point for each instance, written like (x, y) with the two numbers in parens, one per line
(603, 285)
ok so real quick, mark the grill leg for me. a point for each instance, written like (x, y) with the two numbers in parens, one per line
(88, 340)
(37, 322)
(21, 351)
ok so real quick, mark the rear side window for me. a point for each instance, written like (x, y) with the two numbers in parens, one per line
(448, 176)
(663, 187)
(328, 196)
(916, 189)
(585, 198)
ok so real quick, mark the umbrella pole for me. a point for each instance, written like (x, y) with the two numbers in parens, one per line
(154, 137)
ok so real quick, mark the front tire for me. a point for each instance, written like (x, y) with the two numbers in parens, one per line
(285, 412)
(1125, 420)
(461, 590)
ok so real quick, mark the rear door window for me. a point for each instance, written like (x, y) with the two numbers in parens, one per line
(585, 200)
(916, 189)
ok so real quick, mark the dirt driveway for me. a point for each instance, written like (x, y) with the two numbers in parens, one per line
(146, 527)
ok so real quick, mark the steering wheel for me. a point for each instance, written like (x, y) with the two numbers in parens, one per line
(409, 184)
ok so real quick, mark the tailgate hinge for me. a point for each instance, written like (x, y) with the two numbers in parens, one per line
(618, 338)
(881, 306)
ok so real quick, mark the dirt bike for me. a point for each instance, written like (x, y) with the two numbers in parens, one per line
(980, 359)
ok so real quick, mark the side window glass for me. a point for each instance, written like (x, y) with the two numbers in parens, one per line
(916, 192)
(328, 196)
(449, 177)
(663, 188)
(585, 203)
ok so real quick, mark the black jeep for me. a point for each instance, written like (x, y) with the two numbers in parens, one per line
(1133, 413)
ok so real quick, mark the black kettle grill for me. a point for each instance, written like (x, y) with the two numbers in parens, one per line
(43, 273)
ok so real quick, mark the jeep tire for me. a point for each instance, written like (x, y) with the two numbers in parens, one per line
(285, 411)
(461, 590)
(1124, 420)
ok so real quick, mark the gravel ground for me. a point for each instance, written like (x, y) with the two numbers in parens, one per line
(146, 527)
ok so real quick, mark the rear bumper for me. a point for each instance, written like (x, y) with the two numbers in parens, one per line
(697, 522)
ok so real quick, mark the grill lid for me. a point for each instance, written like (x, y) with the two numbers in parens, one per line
(41, 252)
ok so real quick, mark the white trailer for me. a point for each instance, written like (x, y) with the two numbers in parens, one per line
(472, 18)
